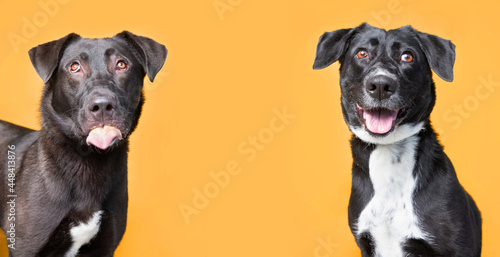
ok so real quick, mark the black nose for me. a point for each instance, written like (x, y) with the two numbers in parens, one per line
(380, 87)
(102, 107)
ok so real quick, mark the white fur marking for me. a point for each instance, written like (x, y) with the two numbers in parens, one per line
(389, 216)
(83, 233)
(399, 133)
(381, 72)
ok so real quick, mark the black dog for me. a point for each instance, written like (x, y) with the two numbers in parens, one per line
(406, 199)
(64, 188)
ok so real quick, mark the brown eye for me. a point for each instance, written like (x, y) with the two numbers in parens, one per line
(121, 65)
(406, 57)
(362, 54)
(75, 67)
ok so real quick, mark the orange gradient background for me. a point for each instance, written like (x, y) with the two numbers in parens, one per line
(225, 77)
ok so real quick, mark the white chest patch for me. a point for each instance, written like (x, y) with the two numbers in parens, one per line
(399, 133)
(84, 232)
(389, 216)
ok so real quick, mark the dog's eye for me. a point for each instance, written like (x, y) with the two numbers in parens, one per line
(121, 65)
(406, 57)
(75, 67)
(362, 54)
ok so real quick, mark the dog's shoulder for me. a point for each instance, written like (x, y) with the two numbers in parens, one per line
(12, 133)
(10, 130)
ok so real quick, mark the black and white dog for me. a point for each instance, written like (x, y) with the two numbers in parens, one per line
(406, 199)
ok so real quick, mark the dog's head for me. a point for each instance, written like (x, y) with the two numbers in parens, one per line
(385, 78)
(93, 87)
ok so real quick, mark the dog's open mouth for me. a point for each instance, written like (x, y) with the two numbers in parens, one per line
(104, 137)
(379, 120)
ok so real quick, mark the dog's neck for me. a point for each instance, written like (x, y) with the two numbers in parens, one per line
(400, 133)
(83, 183)
(85, 175)
(62, 151)
(427, 139)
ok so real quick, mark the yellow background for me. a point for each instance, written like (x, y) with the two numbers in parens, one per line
(224, 76)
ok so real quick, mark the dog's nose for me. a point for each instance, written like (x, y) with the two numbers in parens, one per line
(380, 87)
(102, 107)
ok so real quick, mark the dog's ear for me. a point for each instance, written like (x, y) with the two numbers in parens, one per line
(152, 53)
(332, 45)
(440, 54)
(45, 57)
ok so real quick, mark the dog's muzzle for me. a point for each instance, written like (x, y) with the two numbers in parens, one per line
(380, 111)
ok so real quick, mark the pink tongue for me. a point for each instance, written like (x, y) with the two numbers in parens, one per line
(380, 120)
(103, 137)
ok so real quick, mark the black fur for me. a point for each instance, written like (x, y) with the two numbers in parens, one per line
(444, 209)
(60, 180)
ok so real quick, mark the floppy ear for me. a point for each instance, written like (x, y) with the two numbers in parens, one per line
(152, 53)
(45, 57)
(440, 54)
(332, 45)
